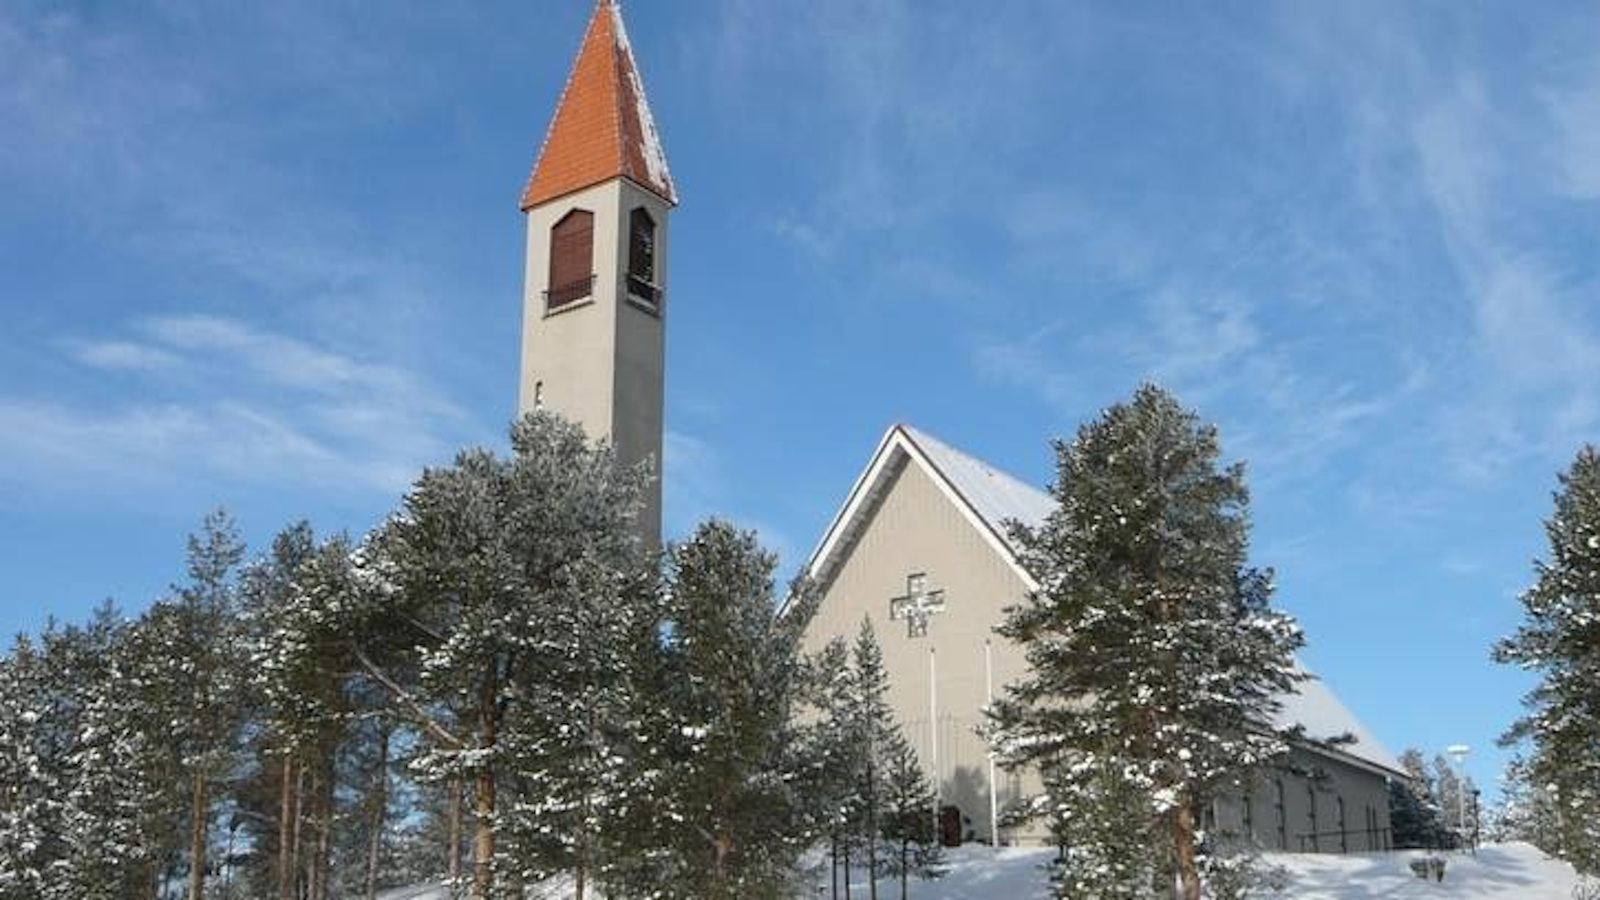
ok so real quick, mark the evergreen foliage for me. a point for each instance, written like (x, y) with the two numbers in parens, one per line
(732, 817)
(1559, 639)
(907, 822)
(1154, 654)
(1414, 819)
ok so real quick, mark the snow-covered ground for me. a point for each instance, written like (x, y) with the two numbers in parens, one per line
(1497, 872)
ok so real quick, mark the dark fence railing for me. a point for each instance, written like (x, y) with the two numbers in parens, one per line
(568, 293)
(644, 290)
(1344, 840)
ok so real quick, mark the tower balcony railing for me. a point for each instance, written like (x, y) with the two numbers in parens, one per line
(558, 297)
(644, 290)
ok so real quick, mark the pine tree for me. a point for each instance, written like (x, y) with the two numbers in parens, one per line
(107, 841)
(302, 599)
(731, 667)
(833, 756)
(1455, 800)
(1559, 638)
(1154, 654)
(504, 603)
(207, 677)
(29, 792)
(1414, 806)
(266, 796)
(881, 746)
(1525, 811)
(908, 805)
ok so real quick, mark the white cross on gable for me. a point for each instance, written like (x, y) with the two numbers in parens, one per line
(916, 605)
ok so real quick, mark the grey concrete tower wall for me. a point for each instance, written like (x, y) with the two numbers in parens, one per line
(601, 361)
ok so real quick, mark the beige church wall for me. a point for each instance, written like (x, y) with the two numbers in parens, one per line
(917, 528)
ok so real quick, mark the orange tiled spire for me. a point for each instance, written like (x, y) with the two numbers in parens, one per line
(603, 128)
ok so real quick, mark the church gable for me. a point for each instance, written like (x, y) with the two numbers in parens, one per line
(911, 525)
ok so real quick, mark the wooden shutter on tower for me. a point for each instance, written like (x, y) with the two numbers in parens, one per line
(571, 259)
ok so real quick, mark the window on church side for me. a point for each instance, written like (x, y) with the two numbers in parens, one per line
(1283, 815)
(1344, 843)
(642, 257)
(1311, 799)
(571, 259)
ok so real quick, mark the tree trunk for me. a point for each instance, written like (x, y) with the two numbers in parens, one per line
(1188, 887)
(286, 817)
(833, 865)
(325, 829)
(313, 869)
(847, 868)
(199, 835)
(299, 827)
(455, 828)
(905, 867)
(483, 812)
(872, 824)
(380, 813)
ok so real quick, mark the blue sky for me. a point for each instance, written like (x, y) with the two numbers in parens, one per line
(269, 256)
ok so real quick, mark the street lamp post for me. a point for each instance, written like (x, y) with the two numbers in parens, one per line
(1458, 752)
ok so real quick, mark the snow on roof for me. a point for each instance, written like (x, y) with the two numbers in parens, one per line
(1314, 707)
(995, 495)
(602, 128)
(998, 497)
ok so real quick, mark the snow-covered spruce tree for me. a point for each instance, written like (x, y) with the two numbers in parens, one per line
(1525, 812)
(880, 745)
(1414, 806)
(1455, 800)
(29, 795)
(306, 593)
(186, 664)
(832, 757)
(735, 826)
(266, 795)
(1154, 655)
(506, 598)
(107, 835)
(1559, 638)
(908, 803)
(208, 667)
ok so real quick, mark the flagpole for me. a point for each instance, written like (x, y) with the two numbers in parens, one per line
(933, 735)
(994, 802)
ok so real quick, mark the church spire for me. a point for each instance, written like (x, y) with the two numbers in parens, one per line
(603, 128)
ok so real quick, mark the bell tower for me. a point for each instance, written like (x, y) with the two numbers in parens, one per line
(595, 301)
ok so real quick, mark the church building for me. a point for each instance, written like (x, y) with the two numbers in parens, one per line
(920, 545)
(921, 549)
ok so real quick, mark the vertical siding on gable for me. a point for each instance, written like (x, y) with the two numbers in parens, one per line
(916, 527)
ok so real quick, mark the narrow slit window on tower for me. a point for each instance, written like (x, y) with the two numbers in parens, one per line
(571, 259)
(642, 257)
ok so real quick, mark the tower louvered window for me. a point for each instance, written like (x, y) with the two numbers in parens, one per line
(571, 259)
(642, 257)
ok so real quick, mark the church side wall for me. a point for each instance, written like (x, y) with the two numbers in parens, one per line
(1289, 811)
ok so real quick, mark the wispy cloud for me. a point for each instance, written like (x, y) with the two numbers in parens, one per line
(225, 400)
